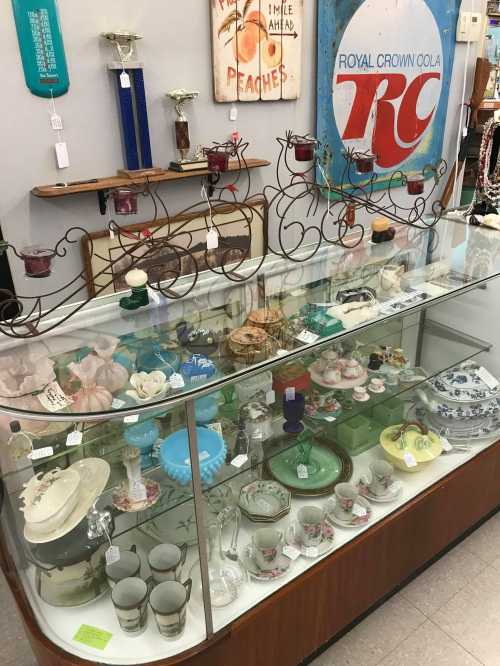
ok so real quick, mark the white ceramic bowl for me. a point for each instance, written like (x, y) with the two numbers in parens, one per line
(50, 499)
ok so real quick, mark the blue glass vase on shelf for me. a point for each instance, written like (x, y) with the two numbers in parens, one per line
(293, 411)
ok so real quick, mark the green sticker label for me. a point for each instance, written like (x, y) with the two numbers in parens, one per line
(93, 637)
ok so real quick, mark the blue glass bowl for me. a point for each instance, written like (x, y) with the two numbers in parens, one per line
(153, 357)
(174, 452)
(207, 408)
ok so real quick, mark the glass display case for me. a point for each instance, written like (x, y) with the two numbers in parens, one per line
(165, 470)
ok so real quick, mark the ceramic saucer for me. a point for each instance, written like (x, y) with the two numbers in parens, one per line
(94, 475)
(372, 390)
(363, 398)
(122, 501)
(256, 572)
(391, 495)
(356, 521)
(311, 551)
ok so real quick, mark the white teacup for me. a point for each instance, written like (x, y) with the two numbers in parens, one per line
(267, 545)
(345, 497)
(332, 376)
(381, 473)
(310, 521)
(352, 369)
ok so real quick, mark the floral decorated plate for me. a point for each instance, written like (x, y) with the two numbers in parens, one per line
(266, 501)
(463, 384)
(393, 492)
(311, 552)
(356, 521)
(256, 572)
(123, 502)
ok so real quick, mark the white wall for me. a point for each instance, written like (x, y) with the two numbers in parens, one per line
(176, 52)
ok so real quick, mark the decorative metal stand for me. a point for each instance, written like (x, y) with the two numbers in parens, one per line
(294, 201)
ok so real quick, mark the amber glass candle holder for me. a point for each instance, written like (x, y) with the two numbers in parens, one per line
(415, 183)
(37, 261)
(125, 201)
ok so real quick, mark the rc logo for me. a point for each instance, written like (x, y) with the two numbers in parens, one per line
(387, 79)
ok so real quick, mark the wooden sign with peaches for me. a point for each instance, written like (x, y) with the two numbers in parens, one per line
(256, 49)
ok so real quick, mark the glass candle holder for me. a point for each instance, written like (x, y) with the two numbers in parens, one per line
(364, 163)
(304, 149)
(125, 201)
(37, 261)
(218, 160)
(415, 183)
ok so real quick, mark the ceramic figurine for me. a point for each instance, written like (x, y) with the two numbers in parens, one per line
(198, 368)
(112, 375)
(148, 386)
(137, 492)
(390, 279)
(382, 231)
(90, 397)
(137, 280)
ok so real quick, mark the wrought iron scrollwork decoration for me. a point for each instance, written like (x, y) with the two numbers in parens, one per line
(174, 257)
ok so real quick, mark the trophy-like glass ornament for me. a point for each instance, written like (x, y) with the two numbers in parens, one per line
(132, 100)
(183, 142)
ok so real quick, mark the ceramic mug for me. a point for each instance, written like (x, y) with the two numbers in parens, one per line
(382, 472)
(352, 369)
(130, 599)
(345, 496)
(267, 548)
(128, 566)
(169, 601)
(166, 561)
(310, 521)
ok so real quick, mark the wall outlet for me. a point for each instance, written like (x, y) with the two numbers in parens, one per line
(469, 27)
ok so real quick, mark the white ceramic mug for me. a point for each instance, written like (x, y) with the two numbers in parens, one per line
(130, 599)
(267, 548)
(310, 521)
(345, 497)
(166, 561)
(381, 480)
(352, 369)
(169, 601)
(128, 566)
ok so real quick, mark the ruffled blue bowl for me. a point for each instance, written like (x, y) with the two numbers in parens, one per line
(175, 460)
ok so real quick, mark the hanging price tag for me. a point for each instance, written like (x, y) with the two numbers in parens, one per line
(302, 472)
(446, 445)
(359, 511)
(291, 552)
(133, 418)
(124, 80)
(53, 398)
(270, 397)
(240, 460)
(56, 122)
(307, 337)
(117, 403)
(38, 454)
(290, 393)
(312, 551)
(212, 240)
(112, 555)
(409, 459)
(486, 376)
(177, 381)
(138, 492)
(330, 419)
(216, 427)
(74, 438)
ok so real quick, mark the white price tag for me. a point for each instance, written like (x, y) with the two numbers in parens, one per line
(216, 427)
(330, 419)
(240, 460)
(133, 418)
(212, 240)
(176, 381)
(46, 452)
(270, 397)
(117, 403)
(53, 398)
(312, 551)
(74, 438)
(358, 510)
(307, 337)
(154, 297)
(56, 122)
(124, 80)
(290, 393)
(409, 459)
(281, 352)
(291, 552)
(204, 455)
(446, 444)
(465, 131)
(112, 555)
(486, 376)
(396, 486)
(138, 492)
(297, 292)
(302, 472)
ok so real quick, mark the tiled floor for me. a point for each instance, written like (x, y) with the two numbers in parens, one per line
(448, 616)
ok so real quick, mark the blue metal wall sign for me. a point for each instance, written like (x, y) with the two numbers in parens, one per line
(384, 71)
(42, 49)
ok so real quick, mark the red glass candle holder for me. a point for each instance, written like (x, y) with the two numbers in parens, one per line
(415, 183)
(125, 202)
(218, 160)
(37, 261)
(304, 149)
(364, 163)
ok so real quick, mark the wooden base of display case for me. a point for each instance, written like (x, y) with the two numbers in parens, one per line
(301, 617)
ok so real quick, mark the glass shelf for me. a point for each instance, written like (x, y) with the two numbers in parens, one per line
(439, 264)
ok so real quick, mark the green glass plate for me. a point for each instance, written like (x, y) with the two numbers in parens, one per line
(329, 465)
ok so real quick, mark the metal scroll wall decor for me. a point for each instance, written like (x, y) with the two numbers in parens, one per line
(294, 201)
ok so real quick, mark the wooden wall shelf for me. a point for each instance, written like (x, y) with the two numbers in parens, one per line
(489, 105)
(104, 184)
